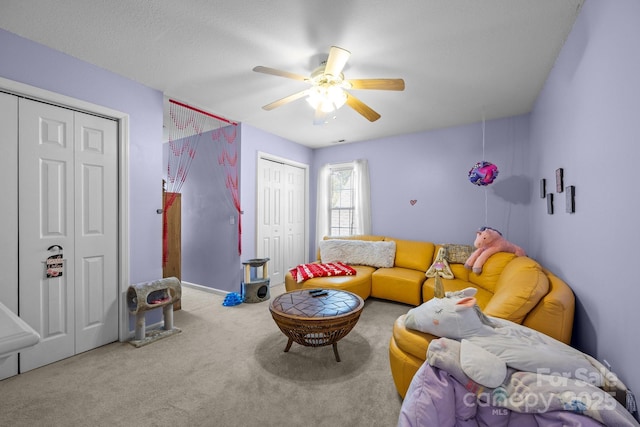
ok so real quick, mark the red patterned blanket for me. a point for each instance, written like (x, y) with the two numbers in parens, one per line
(308, 271)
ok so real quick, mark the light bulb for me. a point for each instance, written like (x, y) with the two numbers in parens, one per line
(326, 97)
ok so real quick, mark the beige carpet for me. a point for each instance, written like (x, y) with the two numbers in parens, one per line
(226, 368)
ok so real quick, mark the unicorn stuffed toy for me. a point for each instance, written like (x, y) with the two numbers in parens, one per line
(489, 241)
(489, 345)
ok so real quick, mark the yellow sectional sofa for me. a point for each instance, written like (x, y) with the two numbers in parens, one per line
(509, 287)
(401, 283)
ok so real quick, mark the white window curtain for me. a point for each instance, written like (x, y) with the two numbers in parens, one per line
(322, 204)
(362, 199)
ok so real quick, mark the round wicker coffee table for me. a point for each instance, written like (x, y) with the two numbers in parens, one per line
(316, 321)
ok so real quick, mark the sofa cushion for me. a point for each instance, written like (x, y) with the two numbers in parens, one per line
(398, 284)
(554, 313)
(413, 254)
(367, 237)
(520, 287)
(458, 254)
(491, 271)
(460, 272)
(358, 252)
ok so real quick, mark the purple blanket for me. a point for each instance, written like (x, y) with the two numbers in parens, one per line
(436, 399)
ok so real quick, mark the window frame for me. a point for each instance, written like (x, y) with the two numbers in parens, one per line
(341, 230)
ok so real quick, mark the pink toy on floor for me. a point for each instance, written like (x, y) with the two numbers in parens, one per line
(488, 242)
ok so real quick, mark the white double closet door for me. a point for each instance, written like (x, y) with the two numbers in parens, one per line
(67, 203)
(282, 216)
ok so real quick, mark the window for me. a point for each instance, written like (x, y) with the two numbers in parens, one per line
(341, 201)
(343, 204)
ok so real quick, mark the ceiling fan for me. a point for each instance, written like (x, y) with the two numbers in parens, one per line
(329, 88)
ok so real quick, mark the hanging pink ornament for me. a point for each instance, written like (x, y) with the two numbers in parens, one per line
(483, 173)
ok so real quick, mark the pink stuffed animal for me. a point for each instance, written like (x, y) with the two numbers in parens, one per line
(488, 242)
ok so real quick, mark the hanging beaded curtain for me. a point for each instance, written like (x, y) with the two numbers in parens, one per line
(225, 148)
(187, 127)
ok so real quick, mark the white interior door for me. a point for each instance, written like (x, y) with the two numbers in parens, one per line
(294, 192)
(281, 212)
(270, 228)
(9, 215)
(96, 231)
(67, 199)
(46, 218)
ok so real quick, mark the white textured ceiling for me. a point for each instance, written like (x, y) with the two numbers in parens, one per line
(461, 59)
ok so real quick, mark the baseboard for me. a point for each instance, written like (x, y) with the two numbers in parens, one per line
(214, 290)
(204, 288)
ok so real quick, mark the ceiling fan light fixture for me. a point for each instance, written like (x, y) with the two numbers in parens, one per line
(327, 97)
(328, 91)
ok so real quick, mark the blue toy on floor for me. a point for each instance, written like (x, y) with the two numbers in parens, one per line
(232, 298)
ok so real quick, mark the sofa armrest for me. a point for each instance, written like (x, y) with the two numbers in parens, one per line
(520, 287)
(411, 341)
(407, 352)
(553, 315)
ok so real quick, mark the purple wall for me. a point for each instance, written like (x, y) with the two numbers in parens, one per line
(27, 62)
(36, 65)
(209, 240)
(432, 168)
(586, 121)
(253, 142)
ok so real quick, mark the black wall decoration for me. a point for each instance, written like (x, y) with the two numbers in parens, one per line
(559, 179)
(570, 193)
(571, 198)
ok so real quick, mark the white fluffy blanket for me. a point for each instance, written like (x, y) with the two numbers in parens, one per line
(358, 252)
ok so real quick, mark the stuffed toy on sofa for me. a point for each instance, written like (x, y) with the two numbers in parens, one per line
(488, 242)
(439, 269)
(489, 345)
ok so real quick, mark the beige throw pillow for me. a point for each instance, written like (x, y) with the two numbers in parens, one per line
(458, 254)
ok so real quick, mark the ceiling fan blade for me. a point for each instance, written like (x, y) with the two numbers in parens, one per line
(379, 84)
(280, 73)
(286, 100)
(362, 108)
(337, 60)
